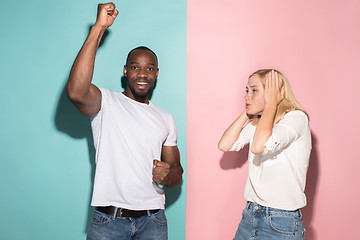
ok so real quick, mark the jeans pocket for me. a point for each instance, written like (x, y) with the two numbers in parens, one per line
(159, 217)
(282, 223)
(100, 218)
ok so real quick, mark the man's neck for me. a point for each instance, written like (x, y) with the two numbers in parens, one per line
(138, 99)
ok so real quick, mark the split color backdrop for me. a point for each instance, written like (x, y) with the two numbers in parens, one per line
(47, 155)
(316, 45)
(206, 50)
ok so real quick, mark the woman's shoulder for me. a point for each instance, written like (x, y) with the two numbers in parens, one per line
(298, 114)
(296, 120)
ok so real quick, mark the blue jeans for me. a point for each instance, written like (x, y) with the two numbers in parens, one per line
(148, 227)
(264, 223)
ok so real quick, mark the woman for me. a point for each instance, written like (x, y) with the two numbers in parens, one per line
(280, 143)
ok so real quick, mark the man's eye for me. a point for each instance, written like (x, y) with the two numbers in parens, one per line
(150, 69)
(133, 67)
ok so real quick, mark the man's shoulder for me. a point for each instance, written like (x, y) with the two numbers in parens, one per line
(157, 108)
(108, 94)
(161, 111)
(108, 91)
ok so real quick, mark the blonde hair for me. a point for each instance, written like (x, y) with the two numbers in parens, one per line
(288, 103)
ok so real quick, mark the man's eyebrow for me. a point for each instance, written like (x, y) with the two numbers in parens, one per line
(146, 63)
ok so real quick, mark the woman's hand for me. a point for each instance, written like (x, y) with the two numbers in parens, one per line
(273, 96)
(273, 93)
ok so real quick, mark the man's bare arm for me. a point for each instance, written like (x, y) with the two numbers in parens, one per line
(86, 96)
(168, 171)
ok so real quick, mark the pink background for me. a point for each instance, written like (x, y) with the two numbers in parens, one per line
(317, 46)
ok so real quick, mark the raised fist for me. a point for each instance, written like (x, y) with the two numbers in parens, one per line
(106, 14)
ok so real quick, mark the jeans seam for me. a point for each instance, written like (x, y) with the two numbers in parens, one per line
(278, 230)
(158, 221)
(108, 219)
(285, 214)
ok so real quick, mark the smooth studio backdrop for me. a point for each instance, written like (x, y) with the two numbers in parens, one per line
(316, 45)
(206, 50)
(47, 155)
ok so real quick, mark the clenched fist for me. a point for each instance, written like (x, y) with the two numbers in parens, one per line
(106, 14)
(161, 172)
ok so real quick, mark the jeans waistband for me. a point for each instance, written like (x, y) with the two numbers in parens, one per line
(267, 210)
(125, 213)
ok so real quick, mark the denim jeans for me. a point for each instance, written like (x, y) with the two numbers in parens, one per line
(148, 227)
(264, 223)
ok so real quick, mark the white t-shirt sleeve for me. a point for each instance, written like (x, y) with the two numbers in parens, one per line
(104, 97)
(172, 136)
(290, 128)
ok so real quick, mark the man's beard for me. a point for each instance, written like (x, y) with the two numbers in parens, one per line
(141, 95)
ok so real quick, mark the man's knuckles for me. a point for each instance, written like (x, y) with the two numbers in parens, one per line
(162, 164)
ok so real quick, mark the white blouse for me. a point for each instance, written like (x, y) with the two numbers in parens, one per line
(277, 177)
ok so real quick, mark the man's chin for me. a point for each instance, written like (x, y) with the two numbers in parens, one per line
(142, 94)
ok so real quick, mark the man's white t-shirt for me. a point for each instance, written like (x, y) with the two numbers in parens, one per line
(128, 136)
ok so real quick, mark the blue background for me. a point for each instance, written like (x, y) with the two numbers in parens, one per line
(47, 155)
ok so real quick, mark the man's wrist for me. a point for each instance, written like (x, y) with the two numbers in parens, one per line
(98, 28)
(96, 33)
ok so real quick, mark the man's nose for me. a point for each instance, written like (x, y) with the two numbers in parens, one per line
(142, 73)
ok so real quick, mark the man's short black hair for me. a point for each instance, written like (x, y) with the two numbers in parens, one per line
(140, 48)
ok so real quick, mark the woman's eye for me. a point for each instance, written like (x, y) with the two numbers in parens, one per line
(253, 90)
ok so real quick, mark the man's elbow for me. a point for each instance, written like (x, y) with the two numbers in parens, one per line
(175, 182)
(176, 178)
(72, 94)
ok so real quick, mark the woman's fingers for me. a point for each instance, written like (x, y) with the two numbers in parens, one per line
(273, 80)
(273, 91)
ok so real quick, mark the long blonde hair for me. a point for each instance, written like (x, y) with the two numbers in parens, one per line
(288, 103)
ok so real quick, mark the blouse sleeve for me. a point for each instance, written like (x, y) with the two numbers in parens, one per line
(244, 137)
(290, 128)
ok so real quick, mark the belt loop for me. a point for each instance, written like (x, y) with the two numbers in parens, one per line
(148, 212)
(248, 205)
(114, 213)
(300, 214)
(267, 212)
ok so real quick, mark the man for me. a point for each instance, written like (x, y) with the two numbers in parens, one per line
(131, 136)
